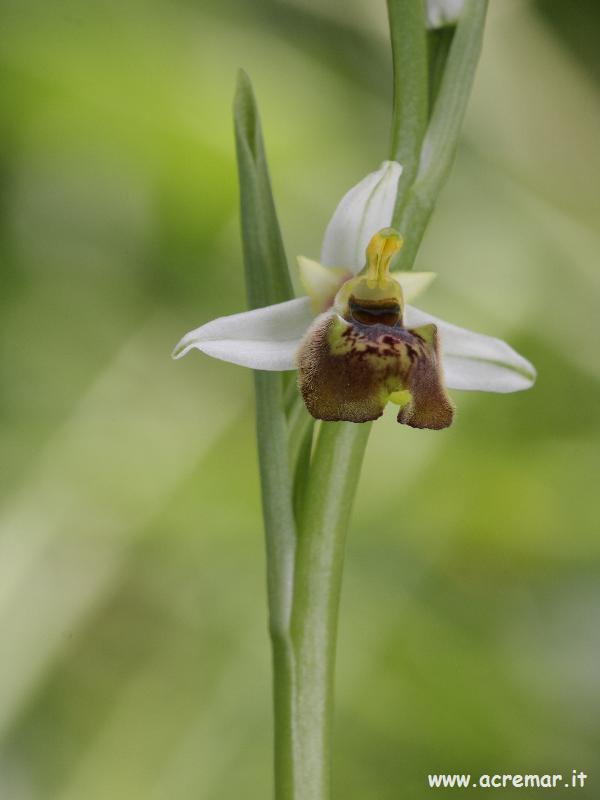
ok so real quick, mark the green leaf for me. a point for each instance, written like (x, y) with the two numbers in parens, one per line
(267, 282)
(267, 275)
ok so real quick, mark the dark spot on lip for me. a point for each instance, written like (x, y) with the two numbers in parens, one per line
(384, 340)
(374, 312)
(373, 305)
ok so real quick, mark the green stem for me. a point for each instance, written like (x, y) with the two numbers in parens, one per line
(439, 42)
(440, 142)
(410, 107)
(317, 582)
(280, 539)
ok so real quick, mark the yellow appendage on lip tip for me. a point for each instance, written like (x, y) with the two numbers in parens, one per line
(401, 397)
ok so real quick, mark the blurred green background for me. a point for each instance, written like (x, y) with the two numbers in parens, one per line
(133, 647)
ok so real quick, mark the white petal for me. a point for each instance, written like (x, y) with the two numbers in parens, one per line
(474, 361)
(266, 338)
(413, 283)
(362, 211)
(443, 12)
(321, 283)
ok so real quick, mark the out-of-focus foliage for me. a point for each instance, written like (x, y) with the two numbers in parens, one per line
(134, 655)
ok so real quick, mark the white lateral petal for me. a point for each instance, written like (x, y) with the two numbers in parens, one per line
(443, 12)
(474, 361)
(362, 211)
(320, 283)
(413, 283)
(265, 338)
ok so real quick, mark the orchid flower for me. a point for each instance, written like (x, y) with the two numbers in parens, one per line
(354, 341)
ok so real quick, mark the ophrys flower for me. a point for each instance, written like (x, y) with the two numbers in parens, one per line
(410, 357)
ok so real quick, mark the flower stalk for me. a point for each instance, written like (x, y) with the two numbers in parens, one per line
(410, 99)
(317, 583)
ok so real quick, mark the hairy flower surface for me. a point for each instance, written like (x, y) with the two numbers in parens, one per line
(354, 339)
(358, 356)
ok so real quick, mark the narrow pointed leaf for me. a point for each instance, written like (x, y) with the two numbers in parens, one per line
(267, 282)
(267, 276)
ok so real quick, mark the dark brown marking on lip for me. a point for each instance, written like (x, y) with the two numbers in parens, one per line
(411, 352)
(374, 312)
(352, 385)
